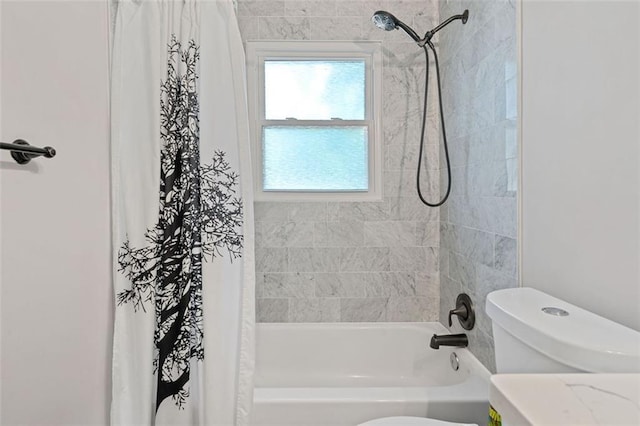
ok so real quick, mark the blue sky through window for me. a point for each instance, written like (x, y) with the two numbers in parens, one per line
(314, 89)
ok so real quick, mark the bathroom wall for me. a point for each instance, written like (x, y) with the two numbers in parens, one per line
(354, 261)
(581, 154)
(56, 297)
(478, 232)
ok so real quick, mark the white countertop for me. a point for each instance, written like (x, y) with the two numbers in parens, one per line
(566, 399)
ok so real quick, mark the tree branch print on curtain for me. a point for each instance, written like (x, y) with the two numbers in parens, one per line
(200, 217)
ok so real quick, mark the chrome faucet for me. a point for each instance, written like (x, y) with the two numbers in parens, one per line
(457, 340)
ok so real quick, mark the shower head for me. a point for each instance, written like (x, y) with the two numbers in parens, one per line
(386, 21)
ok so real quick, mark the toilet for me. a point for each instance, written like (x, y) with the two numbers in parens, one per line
(537, 333)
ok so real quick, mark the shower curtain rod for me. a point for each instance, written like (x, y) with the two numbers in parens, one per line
(22, 152)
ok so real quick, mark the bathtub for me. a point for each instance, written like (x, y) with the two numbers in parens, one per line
(342, 374)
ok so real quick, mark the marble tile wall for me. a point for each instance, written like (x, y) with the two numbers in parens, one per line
(478, 229)
(354, 261)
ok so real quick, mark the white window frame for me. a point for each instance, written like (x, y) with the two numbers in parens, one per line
(371, 53)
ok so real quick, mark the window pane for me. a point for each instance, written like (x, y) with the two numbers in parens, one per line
(315, 158)
(314, 90)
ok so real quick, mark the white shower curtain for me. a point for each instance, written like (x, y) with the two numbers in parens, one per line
(183, 350)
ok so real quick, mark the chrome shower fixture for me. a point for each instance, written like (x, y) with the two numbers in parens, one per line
(386, 21)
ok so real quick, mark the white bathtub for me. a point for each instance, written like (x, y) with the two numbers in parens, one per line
(342, 374)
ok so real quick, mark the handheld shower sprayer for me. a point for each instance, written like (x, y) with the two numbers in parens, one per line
(386, 21)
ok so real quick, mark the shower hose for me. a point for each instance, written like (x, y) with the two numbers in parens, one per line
(424, 122)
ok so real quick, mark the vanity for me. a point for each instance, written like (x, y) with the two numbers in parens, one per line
(566, 399)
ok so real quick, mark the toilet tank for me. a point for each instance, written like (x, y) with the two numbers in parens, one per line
(538, 333)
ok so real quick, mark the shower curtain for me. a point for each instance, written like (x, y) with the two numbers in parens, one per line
(183, 350)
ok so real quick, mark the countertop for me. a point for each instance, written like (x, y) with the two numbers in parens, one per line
(566, 399)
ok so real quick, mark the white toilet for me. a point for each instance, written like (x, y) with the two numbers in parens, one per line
(537, 333)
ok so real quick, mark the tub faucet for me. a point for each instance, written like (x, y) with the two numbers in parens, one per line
(458, 340)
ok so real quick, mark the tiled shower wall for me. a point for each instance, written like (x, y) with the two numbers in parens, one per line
(479, 223)
(354, 261)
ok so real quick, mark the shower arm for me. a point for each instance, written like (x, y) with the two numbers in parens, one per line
(429, 34)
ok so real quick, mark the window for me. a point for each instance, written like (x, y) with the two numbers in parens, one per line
(315, 111)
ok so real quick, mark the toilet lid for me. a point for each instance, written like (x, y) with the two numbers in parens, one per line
(411, 421)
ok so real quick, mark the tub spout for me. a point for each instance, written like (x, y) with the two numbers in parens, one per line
(458, 340)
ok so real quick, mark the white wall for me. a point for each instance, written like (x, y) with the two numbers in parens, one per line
(580, 154)
(56, 289)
